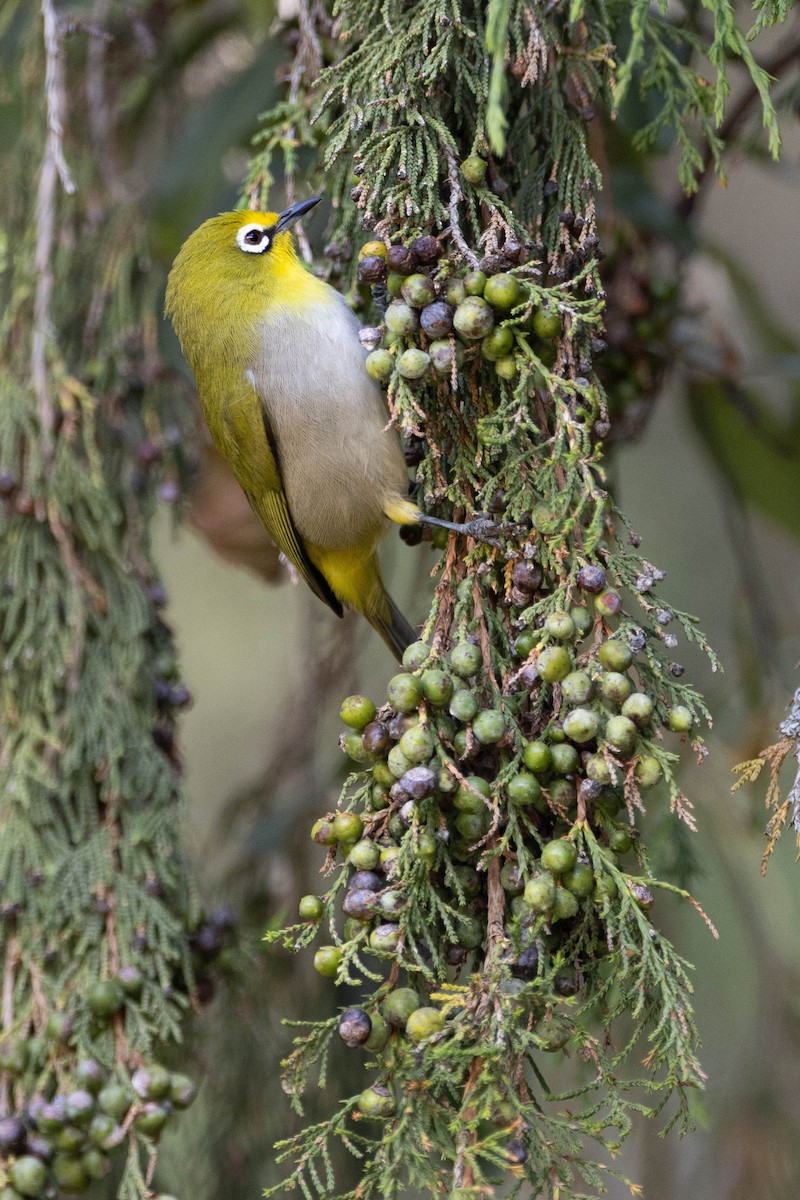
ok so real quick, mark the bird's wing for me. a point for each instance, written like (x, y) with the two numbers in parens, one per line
(253, 452)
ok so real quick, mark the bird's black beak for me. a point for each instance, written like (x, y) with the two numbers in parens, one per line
(289, 215)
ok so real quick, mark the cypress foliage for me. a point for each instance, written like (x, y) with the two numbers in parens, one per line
(488, 888)
(99, 965)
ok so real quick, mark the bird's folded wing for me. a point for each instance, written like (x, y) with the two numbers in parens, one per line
(274, 512)
(243, 434)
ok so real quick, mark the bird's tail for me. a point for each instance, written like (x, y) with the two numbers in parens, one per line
(355, 578)
(390, 623)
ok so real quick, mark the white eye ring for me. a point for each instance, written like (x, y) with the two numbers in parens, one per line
(253, 239)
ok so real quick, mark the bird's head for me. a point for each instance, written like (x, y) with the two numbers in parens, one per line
(242, 257)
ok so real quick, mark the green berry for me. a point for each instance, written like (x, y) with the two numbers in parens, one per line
(151, 1083)
(394, 284)
(489, 726)
(70, 1139)
(131, 980)
(385, 938)
(581, 725)
(620, 840)
(466, 660)
(503, 292)
(546, 324)
(90, 1075)
(648, 771)
(559, 856)
(474, 283)
(416, 655)
(424, 1023)
(507, 368)
(463, 705)
(620, 733)
(473, 319)
(80, 1106)
(327, 960)
(498, 343)
(552, 1033)
(577, 687)
(597, 769)
(443, 353)
(323, 833)
(615, 687)
(398, 1006)
(455, 292)
(469, 932)
(400, 319)
(417, 744)
(379, 1034)
(425, 847)
(28, 1175)
(348, 827)
(105, 998)
(565, 758)
(398, 763)
(376, 1102)
(437, 686)
(95, 1163)
(560, 625)
(680, 719)
(554, 664)
(638, 707)
(115, 1100)
(182, 1090)
(473, 169)
(414, 363)
(579, 880)
(365, 855)
(605, 888)
(615, 655)
(540, 894)
(582, 619)
(357, 711)
(608, 603)
(151, 1119)
(466, 799)
(404, 693)
(524, 789)
(563, 793)
(69, 1174)
(379, 364)
(537, 757)
(472, 825)
(104, 1131)
(565, 906)
(418, 290)
(353, 745)
(524, 642)
(511, 879)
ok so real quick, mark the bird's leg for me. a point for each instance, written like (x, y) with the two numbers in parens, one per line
(482, 528)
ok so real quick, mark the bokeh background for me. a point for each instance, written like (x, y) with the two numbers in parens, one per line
(267, 664)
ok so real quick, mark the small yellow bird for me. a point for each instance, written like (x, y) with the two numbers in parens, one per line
(281, 378)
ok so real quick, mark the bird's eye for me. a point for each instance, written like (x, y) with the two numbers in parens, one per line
(254, 239)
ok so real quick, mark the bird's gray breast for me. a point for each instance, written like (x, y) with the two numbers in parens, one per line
(338, 459)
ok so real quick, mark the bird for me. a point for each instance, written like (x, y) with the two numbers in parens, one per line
(280, 375)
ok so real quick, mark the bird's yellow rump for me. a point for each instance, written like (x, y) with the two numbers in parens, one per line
(280, 375)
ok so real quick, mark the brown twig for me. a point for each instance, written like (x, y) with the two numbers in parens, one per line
(54, 168)
(452, 206)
